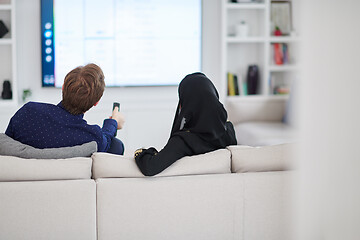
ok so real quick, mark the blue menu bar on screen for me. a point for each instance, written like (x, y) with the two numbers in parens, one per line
(47, 43)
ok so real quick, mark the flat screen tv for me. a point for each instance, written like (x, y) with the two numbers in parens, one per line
(135, 42)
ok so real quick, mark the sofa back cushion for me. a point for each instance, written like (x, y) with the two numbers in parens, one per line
(20, 169)
(11, 147)
(107, 165)
(261, 159)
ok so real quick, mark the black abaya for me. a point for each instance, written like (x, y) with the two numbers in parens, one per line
(200, 126)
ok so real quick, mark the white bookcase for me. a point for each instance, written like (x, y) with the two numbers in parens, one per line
(8, 52)
(239, 52)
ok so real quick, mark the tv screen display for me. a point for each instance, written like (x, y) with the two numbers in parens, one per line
(135, 42)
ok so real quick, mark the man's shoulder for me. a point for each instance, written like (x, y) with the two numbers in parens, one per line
(37, 106)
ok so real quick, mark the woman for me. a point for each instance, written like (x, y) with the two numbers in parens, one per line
(200, 126)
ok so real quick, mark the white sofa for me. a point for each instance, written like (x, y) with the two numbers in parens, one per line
(239, 193)
(259, 121)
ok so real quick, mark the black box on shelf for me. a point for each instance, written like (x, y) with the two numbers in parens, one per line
(6, 92)
(3, 29)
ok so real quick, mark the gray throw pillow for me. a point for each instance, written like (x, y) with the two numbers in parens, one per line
(11, 147)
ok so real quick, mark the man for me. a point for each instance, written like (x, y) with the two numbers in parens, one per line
(43, 125)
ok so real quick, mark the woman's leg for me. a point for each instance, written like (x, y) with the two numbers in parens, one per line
(116, 147)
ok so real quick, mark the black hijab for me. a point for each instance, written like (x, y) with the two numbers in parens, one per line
(199, 110)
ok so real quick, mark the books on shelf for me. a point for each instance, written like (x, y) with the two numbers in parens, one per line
(281, 53)
(236, 85)
(231, 85)
(281, 90)
(277, 88)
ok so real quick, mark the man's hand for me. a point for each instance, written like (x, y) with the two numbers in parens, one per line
(118, 117)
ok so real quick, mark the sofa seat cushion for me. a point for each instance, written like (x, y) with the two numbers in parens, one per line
(107, 165)
(261, 159)
(11, 147)
(263, 133)
(20, 169)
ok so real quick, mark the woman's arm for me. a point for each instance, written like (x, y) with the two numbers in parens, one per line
(230, 133)
(152, 162)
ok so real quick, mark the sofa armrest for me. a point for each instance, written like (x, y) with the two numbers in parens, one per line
(255, 108)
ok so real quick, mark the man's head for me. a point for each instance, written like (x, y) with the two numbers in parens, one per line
(83, 87)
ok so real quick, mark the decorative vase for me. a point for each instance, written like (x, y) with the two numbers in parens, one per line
(6, 93)
(252, 79)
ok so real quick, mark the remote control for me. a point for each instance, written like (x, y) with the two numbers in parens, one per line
(116, 104)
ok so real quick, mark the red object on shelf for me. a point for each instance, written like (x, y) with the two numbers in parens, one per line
(278, 54)
(277, 31)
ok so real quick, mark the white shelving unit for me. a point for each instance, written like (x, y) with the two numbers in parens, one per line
(240, 52)
(8, 52)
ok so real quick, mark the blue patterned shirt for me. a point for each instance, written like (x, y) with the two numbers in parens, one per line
(44, 125)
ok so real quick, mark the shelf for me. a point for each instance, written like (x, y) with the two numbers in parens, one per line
(245, 40)
(8, 53)
(284, 39)
(7, 103)
(5, 6)
(257, 97)
(5, 41)
(283, 68)
(246, 6)
(240, 52)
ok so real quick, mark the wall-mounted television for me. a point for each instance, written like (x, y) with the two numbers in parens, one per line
(135, 42)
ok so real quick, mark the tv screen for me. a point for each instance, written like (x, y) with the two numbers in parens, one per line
(135, 42)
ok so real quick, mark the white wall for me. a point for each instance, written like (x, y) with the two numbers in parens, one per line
(149, 111)
(329, 163)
